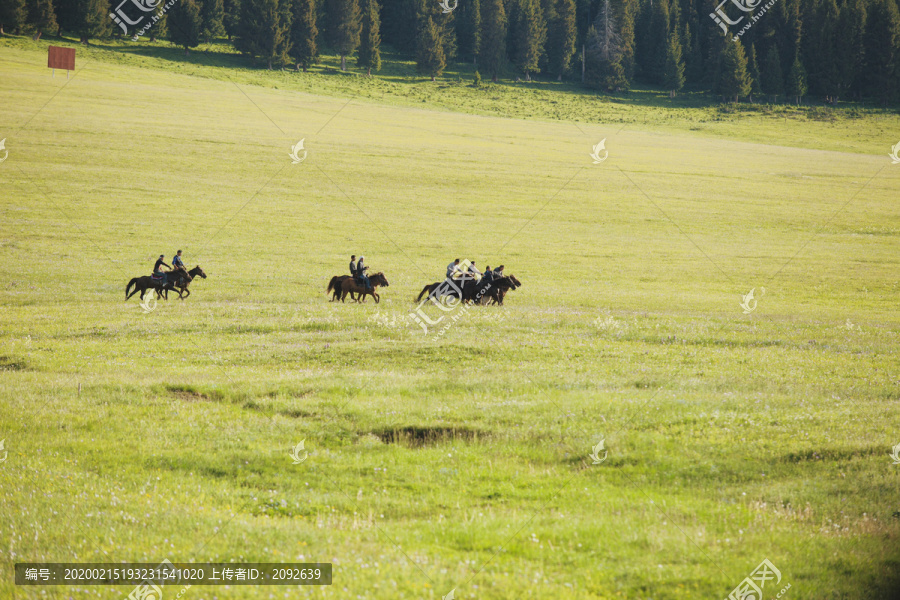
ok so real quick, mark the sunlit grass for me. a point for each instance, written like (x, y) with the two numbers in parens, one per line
(457, 463)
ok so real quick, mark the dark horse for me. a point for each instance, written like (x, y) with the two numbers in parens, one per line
(471, 290)
(146, 282)
(501, 286)
(181, 285)
(466, 289)
(350, 287)
(335, 286)
(454, 289)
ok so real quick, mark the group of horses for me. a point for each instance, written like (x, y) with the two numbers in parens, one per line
(176, 280)
(464, 290)
(471, 291)
(341, 285)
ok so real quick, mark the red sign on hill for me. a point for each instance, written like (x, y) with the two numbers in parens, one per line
(61, 58)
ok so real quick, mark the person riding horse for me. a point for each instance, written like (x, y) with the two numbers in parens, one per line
(361, 273)
(474, 272)
(177, 263)
(159, 273)
(452, 269)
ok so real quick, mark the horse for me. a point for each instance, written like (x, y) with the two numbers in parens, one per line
(335, 286)
(428, 289)
(462, 288)
(349, 287)
(500, 286)
(146, 282)
(465, 289)
(181, 286)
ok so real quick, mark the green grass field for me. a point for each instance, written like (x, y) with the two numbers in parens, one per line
(457, 461)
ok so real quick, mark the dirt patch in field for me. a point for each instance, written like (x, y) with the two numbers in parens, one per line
(833, 454)
(417, 437)
(11, 363)
(186, 394)
(191, 396)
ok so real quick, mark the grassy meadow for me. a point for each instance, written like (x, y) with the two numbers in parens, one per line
(455, 461)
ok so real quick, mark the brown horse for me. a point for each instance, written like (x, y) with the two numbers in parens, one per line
(142, 284)
(180, 279)
(349, 287)
(181, 285)
(335, 286)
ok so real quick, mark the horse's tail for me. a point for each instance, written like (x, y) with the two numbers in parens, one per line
(427, 288)
(332, 284)
(128, 287)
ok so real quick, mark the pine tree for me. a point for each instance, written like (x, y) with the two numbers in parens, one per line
(41, 17)
(694, 65)
(212, 15)
(772, 77)
(561, 35)
(430, 58)
(93, 19)
(819, 50)
(659, 34)
(753, 69)
(468, 29)
(345, 26)
(444, 22)
(673, 74)
(790, 33)
(883, 49)
(849, 49)
(232, 18)
(370, 38)
(493, 37)
(184, 23)
(13, 14)
(796, 84)
(625, 18)
(531, 35)
(734, 81)
(399, 21)
(66, 16)
(603, 52)
(265, 30)
(304, 49)
(161, 27)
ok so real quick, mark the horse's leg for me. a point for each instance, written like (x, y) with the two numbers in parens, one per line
(376, 296)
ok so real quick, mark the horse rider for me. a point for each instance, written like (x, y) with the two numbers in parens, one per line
(158, 272)
(488, 275)
(353, 267)
(178, 264)
(361, 273)
(453, 269)
(498, 272)
(474, 272)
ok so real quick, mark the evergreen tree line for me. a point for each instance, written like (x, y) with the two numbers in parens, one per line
(829, 48)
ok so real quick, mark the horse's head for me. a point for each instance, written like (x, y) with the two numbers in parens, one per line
(379, 279)
(515, 281)
(197, 271)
